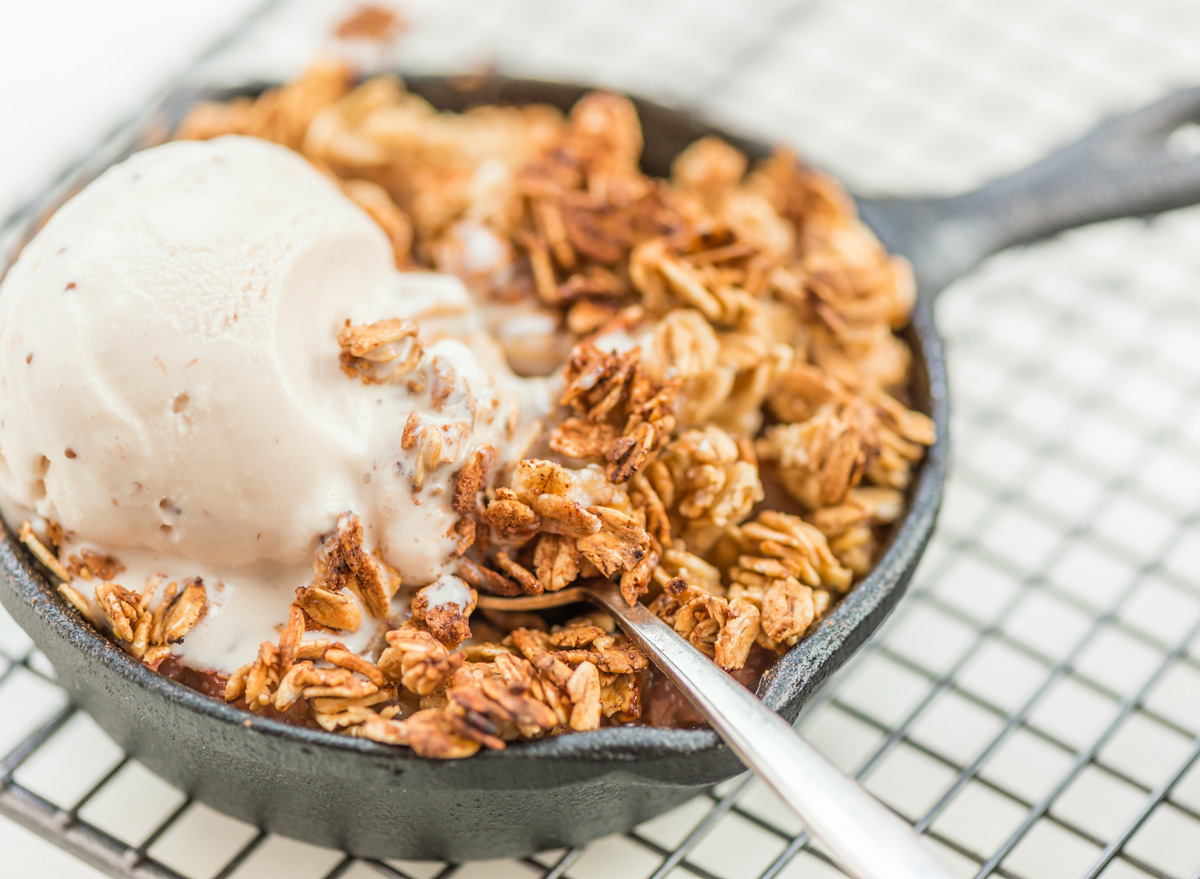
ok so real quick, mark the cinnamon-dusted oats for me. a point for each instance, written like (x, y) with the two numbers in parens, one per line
(290, 637)
(562, 497)
(499, 708)
(679, 562)
(384, 730)
(788, 609)
(235, 684)
(120, 608)
(472, 479)
(851, 526)
(738, 634)
(622, 415)
(283, 114)
(619, 544)
(548, 500)
(621, 699)
(42, 553)
(343, 658)
(646, 431)
(446, 620)
(336, 705)
(435, 733)
(530, 585)
(576, 633)
(75, 599)
(158, 617)
(333, 610)
(708, 481)
(338, 682)
(97, 564)
(184, 611)
(819, 460)
(668, 277)
(487, 580)
(264, 676)
(370, 22)
(415, 659)
(709, 168)
(291, 688)
(557, 561)
(344, 562)
(381, 352)
(635, 582)
(341, 717)
(512, 518)
(775, 545)
(617, 655)
(700, 618)
(583, 688)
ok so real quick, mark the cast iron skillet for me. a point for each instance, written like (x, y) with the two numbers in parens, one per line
(375, 800)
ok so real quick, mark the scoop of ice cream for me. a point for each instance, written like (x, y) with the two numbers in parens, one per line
(169, 358)
(170, 377)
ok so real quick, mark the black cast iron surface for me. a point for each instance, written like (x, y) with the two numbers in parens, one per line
(380, 801)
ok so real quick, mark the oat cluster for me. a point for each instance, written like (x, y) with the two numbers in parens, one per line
(144, 623)
(734, 459)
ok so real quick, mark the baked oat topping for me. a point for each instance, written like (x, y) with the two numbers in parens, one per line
(381, 352)
(144, 627)
(370, 22)
(731, 442)
(343, 562)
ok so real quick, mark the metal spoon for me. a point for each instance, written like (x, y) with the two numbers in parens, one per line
(862, 835)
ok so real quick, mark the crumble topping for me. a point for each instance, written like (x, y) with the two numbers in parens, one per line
(381, 352)
(370, 22)
(145, 624)
(732, 438)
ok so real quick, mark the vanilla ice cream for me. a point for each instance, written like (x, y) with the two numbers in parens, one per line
(170, 386)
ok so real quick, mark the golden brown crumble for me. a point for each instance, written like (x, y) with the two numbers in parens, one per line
(380, 352)
(43, 553)
(344, 563)
(145, 624)
(370, 22)
(756, 358)
(447, 621)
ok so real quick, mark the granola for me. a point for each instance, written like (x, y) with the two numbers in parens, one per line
(695, 310)
(145, 624)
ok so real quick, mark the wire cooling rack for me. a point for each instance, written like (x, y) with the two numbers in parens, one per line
(1034, 705)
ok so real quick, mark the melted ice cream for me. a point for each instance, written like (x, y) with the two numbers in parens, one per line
(170, 386)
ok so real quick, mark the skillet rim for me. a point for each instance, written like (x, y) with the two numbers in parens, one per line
(784, 687)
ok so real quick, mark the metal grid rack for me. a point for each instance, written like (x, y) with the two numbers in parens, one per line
(1034, 705)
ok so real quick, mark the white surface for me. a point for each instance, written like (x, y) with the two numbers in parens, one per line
(1068, 531)
(27, 854)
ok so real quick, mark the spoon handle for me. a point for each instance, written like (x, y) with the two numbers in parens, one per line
(861, 834)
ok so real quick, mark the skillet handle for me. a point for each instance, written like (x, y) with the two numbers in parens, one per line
(1128, 166)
